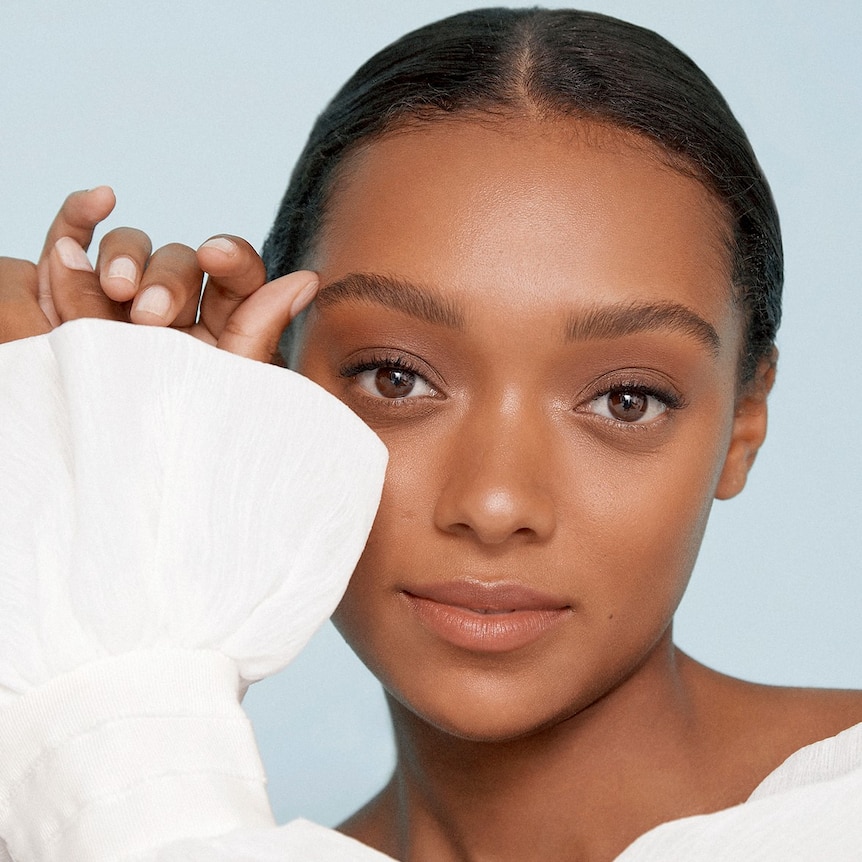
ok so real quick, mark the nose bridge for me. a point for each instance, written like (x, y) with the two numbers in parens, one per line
(499, 481)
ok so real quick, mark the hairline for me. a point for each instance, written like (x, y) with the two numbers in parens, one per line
(587, 124)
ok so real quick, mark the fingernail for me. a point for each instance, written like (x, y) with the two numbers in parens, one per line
(221, 243)
(304, 297)
(124, 268)
(155, 300)
(72, 255)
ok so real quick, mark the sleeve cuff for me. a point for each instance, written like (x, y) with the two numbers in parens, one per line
(128, 754)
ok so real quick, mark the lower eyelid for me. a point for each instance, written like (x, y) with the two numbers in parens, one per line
(669, 401)
(374, 359)
(368, 389)
(659, 408)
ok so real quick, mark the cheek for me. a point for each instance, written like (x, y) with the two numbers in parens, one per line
(636, 547)
(640, 521)
(628, 532)
(627, 536)
(401, 541)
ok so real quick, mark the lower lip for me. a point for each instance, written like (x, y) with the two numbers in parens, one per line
(480, 632)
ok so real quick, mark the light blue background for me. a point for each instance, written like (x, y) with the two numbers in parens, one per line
(195, 112)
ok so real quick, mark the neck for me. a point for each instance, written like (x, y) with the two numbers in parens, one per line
(582, 789)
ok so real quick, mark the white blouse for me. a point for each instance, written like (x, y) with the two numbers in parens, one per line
(175, 523)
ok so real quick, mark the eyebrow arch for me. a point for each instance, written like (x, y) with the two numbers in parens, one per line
(394, 293)
(618, 321)
(602, 322)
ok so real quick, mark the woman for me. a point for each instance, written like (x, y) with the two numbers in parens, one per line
(550, 275)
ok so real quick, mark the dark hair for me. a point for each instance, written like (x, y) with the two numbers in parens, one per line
(562, 62)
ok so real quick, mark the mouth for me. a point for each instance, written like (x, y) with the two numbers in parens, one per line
(489, 611)
(486, 617)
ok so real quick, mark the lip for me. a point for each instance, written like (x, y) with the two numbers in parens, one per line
(483, 616)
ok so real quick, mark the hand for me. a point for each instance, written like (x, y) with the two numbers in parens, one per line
(239, 312)
(20, 315)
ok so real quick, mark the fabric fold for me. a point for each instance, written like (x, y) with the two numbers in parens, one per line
(175, 523)
(126, 754)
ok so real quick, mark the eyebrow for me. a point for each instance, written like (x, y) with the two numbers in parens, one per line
(601, 322)
(618, 321)
(403, 296)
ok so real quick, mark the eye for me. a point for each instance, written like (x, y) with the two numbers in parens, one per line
(630, 405)
(393, 382)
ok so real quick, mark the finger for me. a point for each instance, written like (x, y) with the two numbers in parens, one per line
(234, 272)
(123, 255)
(170, 288)
(78, 217)
(20, 315)
(75, 286)
(253, 330)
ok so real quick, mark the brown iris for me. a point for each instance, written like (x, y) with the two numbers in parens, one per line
(394, 382)
(627, 405)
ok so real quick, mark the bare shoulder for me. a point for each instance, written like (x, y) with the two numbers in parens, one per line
(753, 728)
(793, 718)
(821, 712)
(788, 717)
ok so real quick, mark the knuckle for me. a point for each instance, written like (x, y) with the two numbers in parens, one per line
(72, 197)
(15, 270)
(177, 263)
(17, 263)
(126, 234)
(236, 331)
(226, 292)
(177, 249)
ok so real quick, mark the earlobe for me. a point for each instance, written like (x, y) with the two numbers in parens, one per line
(749, 429)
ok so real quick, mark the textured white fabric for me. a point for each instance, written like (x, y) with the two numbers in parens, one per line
(298, 841)
(147, 746)
(821, 762)
(161, 491)
(175, 522)
(807, 810)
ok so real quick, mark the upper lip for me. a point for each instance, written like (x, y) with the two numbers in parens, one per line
(488, 595)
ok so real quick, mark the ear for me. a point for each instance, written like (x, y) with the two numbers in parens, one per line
(749, 429)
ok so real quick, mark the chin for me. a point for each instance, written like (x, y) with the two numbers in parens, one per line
(472, 722)
(499, 696)
(491, 707)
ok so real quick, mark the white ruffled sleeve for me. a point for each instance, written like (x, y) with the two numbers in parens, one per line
(175, 523)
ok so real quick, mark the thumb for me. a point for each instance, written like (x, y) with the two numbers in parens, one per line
(255, 327)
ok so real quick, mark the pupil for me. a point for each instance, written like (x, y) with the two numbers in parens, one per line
(628, 406)
(394, 382)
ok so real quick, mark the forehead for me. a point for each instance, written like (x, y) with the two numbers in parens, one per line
(507, 211)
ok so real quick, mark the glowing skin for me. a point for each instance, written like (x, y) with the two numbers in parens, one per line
(536, 318)
(503, 467)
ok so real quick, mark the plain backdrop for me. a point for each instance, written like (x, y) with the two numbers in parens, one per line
(195, 112)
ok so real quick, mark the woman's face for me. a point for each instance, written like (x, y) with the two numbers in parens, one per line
(536, 319)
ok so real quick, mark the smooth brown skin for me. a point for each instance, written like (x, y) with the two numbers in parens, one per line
(574, 746)
(504, 470)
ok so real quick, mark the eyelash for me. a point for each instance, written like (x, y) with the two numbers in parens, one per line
(670, 400)
(387, 360)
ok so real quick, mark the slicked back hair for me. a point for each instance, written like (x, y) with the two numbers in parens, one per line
(508, 62)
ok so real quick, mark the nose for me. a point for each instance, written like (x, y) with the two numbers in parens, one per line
(498, 479)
